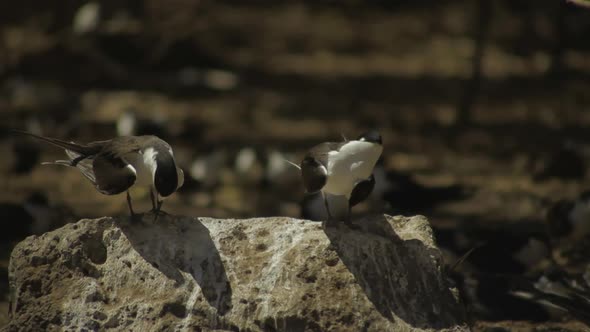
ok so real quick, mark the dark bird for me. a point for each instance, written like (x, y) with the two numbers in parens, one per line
(114, 166)
(342, 169)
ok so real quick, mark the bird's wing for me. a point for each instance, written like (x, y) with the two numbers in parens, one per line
(321, 151)
(83, 163)
(362, 189)
(314, 167)
(120, 146)
(112, 175)
(314, 174)
(100, 162)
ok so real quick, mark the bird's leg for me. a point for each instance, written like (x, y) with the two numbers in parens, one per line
(129, 204)
(156, 204)
(158, 209)
(327, 206)
(327, 222)
(133, 215)
(153, 198)
(348, 220)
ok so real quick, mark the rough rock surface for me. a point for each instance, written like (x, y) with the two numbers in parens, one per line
(267, 274)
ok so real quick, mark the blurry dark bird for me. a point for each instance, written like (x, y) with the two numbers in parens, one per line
(342, 169)
(409, 197)
(566, 162)
(558, 289)
(114, 166)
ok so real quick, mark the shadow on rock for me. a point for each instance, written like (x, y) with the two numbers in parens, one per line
(178, 244)
(416, 290)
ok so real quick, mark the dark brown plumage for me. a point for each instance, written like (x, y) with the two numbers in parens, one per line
(114, 165)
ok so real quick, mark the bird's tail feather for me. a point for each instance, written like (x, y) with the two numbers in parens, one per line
(78, 148)
(292, 164)
(58, 162)
(80, 162)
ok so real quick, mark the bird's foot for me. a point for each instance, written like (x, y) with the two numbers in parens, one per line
(159, 212)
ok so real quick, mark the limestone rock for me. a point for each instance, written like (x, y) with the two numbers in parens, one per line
(266, 274)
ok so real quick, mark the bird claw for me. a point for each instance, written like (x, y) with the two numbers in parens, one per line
(158, 211)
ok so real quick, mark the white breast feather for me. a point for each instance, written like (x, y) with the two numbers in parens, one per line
(145, 166)
(353, 162)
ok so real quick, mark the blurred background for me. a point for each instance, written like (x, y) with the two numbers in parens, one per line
(484, 109)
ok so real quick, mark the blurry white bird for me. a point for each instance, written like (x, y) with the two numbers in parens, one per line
(342, 169)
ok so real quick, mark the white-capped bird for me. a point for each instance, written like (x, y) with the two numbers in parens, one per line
(114, 166)
(342, 169)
